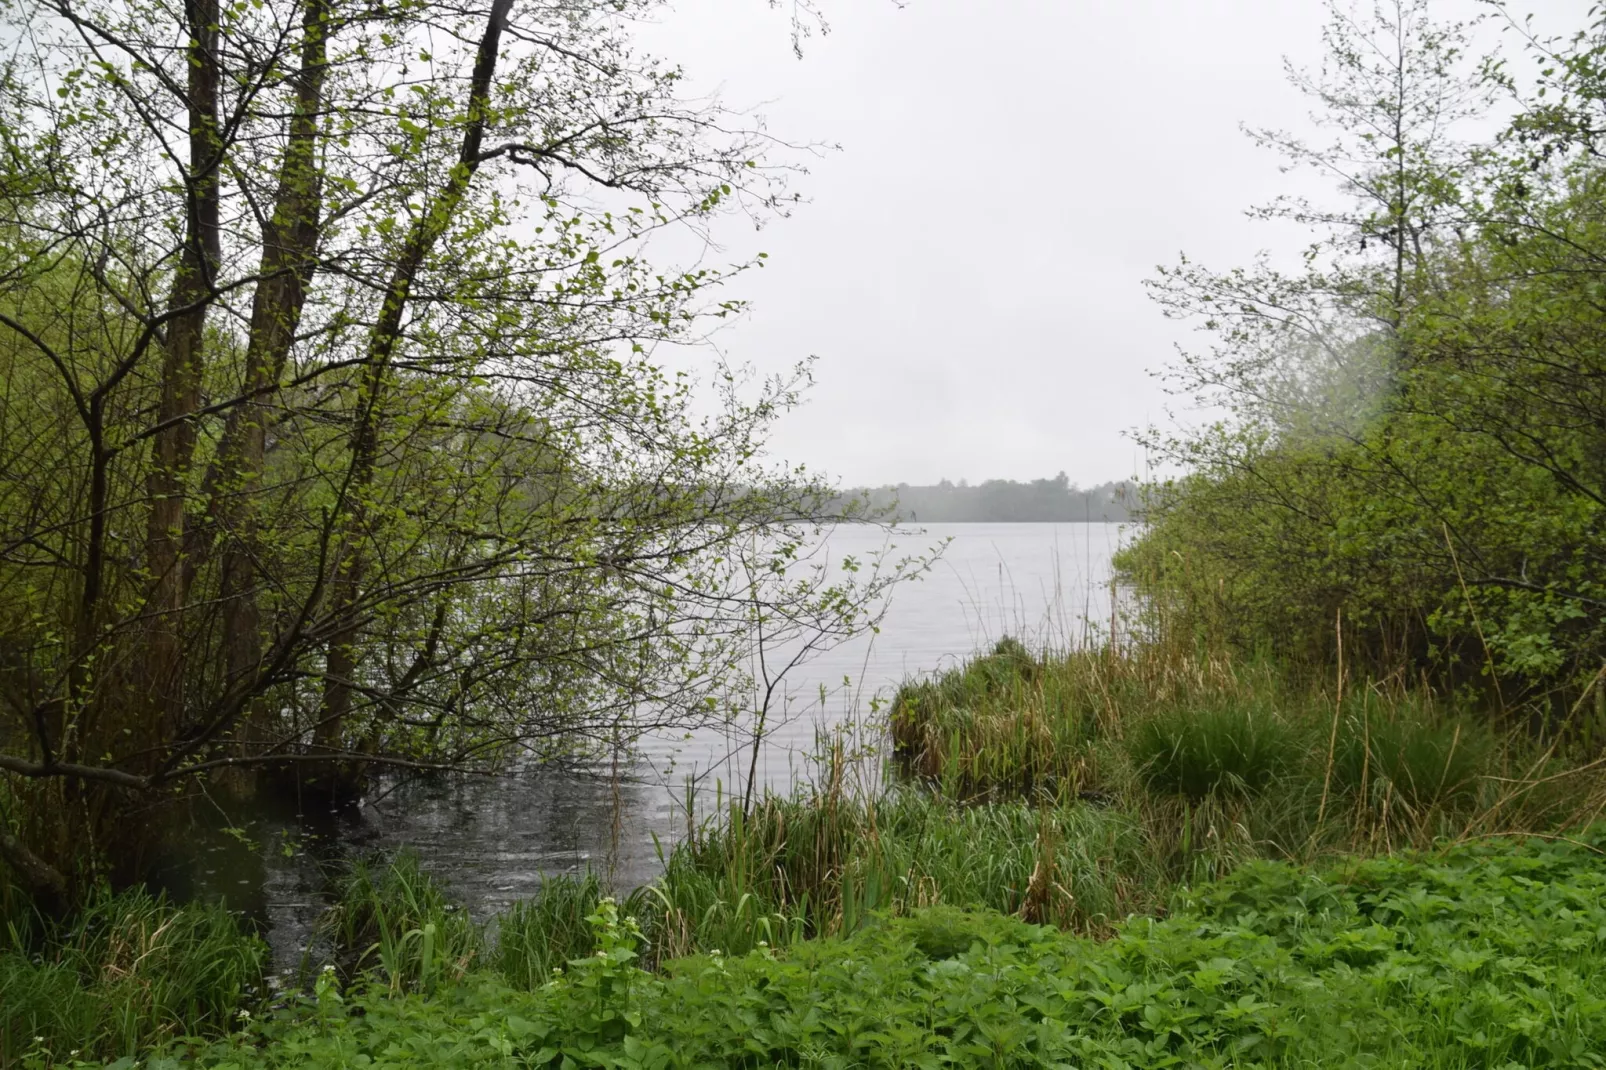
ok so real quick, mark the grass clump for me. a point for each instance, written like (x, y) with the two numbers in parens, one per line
(128, 972)
(536, 936)
(1219, 749)
(1202, 749)
(1005, 722)
(1414, 758)
(397, 921)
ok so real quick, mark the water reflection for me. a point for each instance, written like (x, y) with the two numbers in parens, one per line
(491, 839)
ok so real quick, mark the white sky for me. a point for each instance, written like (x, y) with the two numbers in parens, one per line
(968, 268)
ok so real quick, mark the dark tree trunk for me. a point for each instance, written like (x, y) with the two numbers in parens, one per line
(343, 664)
(183, 357)
(289, 251)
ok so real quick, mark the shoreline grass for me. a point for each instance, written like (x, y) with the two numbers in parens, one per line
(128, 973)
(1480, 954)
(1072, 790)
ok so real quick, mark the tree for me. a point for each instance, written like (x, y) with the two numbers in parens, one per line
(1413, 420)
(333, 435)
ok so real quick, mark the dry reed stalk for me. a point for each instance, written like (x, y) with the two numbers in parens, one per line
(1332, 738)
(1449, 756)
(1528, 783)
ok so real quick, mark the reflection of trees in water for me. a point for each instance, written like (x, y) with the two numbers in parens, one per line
(490, 839)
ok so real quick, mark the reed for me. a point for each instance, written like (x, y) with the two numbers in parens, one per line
(536, 936)
(1003, 723)
(1199, 760)
(823, 864)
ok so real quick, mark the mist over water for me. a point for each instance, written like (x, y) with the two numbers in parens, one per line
(493, 838)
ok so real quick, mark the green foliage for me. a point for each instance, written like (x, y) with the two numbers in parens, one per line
(1202, 751)
(536, 936)
(397, 921)
(1410, 468)
(1482, 955)
(446, 509)
(130, 971)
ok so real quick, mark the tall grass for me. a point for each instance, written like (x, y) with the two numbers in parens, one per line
(998, 723)
(1213, 748)
(1154, 724)
(822, 865)
(1071, 789)
(536, 936)
(396, 922)
(128, 972)
(1421, 759)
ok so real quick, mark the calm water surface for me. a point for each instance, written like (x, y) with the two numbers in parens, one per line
(492, 839)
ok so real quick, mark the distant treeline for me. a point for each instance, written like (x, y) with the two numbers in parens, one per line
(1001, 500)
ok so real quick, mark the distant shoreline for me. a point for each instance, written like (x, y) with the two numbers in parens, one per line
(1002, 501)
(1014, 520)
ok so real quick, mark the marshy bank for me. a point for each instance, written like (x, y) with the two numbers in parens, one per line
(1072, 790)
(498, 837)
(1484, 953)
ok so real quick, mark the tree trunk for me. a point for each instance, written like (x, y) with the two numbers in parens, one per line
(342, 661)
(182, 363)
(44, 884)
(289, 249)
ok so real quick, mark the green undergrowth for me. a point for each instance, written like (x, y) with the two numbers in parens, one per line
(1073, 791)
(1488, 954)
(129, 971)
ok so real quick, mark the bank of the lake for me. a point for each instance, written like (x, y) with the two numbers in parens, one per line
(1485, 954)
(1085, 790)
(495, 840)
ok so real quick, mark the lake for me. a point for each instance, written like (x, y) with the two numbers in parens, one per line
(492, 839)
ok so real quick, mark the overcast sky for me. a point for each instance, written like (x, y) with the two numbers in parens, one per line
(968, 268)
